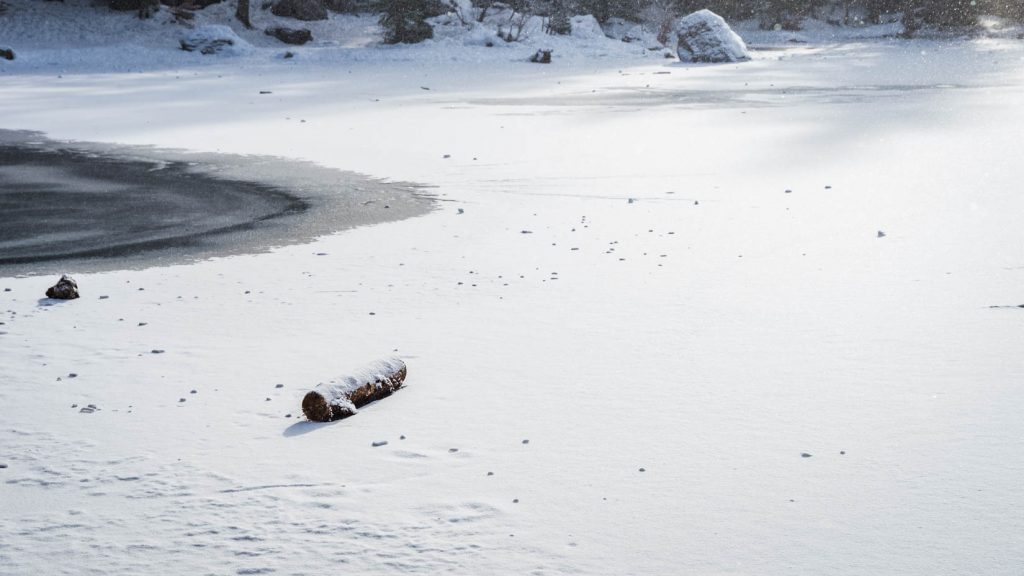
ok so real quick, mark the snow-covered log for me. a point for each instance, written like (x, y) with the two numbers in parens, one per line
(341, 398)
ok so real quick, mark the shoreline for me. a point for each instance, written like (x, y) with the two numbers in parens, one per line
(89, 207)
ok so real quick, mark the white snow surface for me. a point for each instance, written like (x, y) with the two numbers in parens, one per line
(705, 37)
(671, 308)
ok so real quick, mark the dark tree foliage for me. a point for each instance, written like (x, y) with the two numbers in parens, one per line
(405, 21)
(558, 18)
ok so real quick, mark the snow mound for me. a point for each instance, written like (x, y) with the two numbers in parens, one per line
(705, 37)
(482, 36)
(586, 27)
(214, 39)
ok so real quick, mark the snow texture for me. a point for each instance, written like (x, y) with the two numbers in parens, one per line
(587, 27)
(705, 37)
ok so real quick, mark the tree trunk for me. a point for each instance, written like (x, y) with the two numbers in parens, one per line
(242, 13)
(342, 397)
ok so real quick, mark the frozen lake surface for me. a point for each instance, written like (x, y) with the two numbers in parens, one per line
(668, 279)
(94, 207)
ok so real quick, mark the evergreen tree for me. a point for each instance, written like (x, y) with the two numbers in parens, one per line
(558, 20)
(404, 21)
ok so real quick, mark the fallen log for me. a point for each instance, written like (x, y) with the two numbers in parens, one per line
(341, 398)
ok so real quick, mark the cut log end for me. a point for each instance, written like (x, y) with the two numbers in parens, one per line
(316, 408)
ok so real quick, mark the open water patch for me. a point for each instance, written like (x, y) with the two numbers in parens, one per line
(90, 207)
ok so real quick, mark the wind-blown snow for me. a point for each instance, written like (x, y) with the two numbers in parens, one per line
(672, 308)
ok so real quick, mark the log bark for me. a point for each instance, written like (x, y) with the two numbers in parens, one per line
(342, 397)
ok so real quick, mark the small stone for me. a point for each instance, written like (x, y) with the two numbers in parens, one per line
(447, 156)
(805, 455)
(490, 473)
(279, 386)
(287, 415)
(452, 450)
(73, 375)
(7, 289)
(2, 465)
(789, 191)
(74, 405)
(65, 289)
(842, 451)
(402, 437)
(643, 470)
(379, 443)
(156, 351)
(193, 392)
(267, 399)
(104, 297)
(181, 400)
(515, 500)
(881, 234)
(526, 441)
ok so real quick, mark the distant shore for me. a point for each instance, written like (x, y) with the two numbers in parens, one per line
(91, 207)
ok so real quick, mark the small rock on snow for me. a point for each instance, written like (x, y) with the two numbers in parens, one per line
(156, 351)
(881, 234)
(65, 289)
(379, 443)
(805, 455)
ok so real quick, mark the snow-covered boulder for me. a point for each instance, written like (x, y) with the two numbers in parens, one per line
(586, 27)
(213, 39)
(300, 9)
(297, 36)
(705, 37)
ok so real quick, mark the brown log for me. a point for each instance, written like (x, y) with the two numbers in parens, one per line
(342, 397)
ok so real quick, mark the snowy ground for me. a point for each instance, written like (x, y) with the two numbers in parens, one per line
(709, 331)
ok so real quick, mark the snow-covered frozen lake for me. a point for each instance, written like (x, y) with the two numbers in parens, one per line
(669, 279)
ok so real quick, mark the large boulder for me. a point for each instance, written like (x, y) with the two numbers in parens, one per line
(297, 36)
(307, 10)
(212, 39)
(705, 37)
